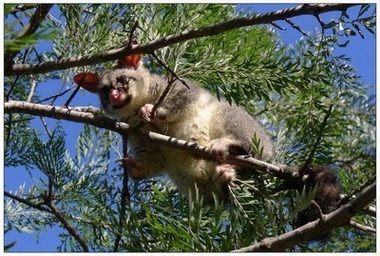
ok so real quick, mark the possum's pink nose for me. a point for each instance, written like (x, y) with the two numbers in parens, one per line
(117, 96)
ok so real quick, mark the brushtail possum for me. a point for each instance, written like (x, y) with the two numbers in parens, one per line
(129, 92)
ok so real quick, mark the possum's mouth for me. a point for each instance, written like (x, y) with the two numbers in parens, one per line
(119, 97)
(116, 97)
(126, 102)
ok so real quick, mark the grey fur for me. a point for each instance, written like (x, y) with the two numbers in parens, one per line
(190, 114)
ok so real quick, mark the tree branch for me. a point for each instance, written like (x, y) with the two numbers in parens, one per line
(67, 225)
(33, 84)
(362, 227)
(371, 211)
(122, 128)
(319, 139)
(310, 9)
(54, 96)
(34, 23)
(338, 218)
(53, 210)
(125, 197)
(27, 202)
(296, 27)
(21, 8)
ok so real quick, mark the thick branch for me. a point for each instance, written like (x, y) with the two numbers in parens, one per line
(311, 9)
(122, 128)
(338, 218)
(65, 114)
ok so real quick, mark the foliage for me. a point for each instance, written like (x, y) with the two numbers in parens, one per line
(290, 88)
(14, 41)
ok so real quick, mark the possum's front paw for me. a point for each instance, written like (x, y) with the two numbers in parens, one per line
(135, 169)
(157, 116)
(224, 173)
(146, 112)
(219, 148)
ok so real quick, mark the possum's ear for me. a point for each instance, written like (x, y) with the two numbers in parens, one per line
(88, 81)
(131, 61)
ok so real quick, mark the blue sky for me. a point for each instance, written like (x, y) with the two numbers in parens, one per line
(361, 51)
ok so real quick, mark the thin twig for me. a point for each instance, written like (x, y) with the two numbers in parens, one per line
(277, 26)
(27, 202)
(345, 198)
(54, 96)
(371, 211)
(295, 26)
(96, 223)
(25, 119)
(362, 227)
(131, 34)
(37, 55)
(33, 84)
(323, 30)
(9, 129)
(67, 103)
(321, 23)
(320, 212)
(169, 70)
(319, 139)
(44, 124)
(265, 18)
(16, 78)
(163, 95)
(50, 194)
(125, 196)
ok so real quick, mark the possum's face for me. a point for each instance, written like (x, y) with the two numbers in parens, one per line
(122, 92)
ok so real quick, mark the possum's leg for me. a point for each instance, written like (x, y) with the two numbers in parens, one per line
(209, 177)
(225, 174)
(221, 173)
(144, 158)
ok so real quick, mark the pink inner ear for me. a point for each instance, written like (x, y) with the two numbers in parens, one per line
(88, 81)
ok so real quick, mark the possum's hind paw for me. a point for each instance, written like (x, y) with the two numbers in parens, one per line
(224, 173)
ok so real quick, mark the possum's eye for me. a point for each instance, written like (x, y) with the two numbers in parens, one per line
(123, 80)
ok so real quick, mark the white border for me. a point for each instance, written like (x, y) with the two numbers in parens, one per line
(166, 1)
